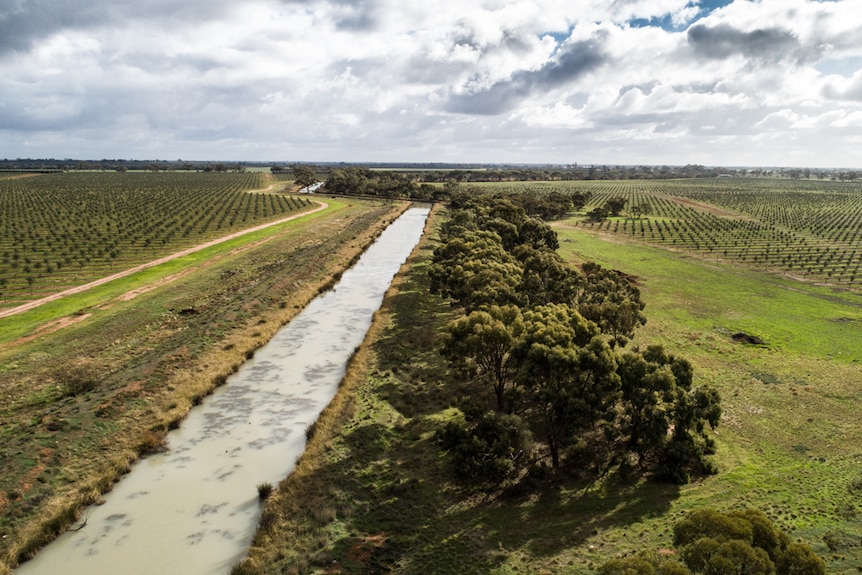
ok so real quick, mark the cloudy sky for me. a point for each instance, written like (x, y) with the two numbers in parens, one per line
(714, 82)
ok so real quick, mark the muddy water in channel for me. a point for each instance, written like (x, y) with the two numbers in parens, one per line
(193, 509)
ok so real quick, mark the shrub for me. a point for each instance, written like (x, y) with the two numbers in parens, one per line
(153, 441)
(719, 543)
(489, 449)
(264, 490)
(80, 377)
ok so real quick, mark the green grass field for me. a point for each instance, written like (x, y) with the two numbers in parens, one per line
(790, 442)
(373, 492)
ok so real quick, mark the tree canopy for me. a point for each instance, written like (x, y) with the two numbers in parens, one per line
(481, 343)
(541, 341)
(305, 175)
(712, 542)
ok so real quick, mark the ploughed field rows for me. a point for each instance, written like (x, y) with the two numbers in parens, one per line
(62, 230)
(811, 230)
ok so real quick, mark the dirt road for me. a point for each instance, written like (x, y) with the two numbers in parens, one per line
(81, 288)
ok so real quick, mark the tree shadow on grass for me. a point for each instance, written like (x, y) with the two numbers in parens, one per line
(406, 513)
(397, 506)
(483, 535)
(409, 352)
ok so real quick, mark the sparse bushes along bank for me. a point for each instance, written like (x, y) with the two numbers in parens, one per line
(79, 376)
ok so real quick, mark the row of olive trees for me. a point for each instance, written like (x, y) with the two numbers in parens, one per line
(544, 341)
(57, 229)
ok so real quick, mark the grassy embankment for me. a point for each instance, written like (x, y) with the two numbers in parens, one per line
(372, 493)
(149, 350)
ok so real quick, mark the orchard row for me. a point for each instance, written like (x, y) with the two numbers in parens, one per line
(808, 229)
(60, 230)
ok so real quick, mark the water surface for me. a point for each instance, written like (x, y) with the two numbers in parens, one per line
(193, 509)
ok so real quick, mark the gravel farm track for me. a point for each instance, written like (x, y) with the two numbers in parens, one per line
(101, 281)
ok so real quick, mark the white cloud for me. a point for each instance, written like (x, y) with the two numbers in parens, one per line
(498, 80)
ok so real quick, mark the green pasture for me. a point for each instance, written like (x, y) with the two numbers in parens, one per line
(375, 491)
(790, 442)
(714, 298)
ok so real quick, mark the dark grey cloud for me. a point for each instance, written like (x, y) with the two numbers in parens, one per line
(766, 44)
(357, 15)
(24, 22)
(574, 60)
(160, 105)
(347, 15)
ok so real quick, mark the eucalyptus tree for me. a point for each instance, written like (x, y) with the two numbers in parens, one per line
(568, 374)
(663, 417)
(638, 211)
(481, 345)
(513, 224)
(474, 270)
(541, 337)
(597, 215)
(612, 301)
(615, 205)
(546, 278)
(488, 447)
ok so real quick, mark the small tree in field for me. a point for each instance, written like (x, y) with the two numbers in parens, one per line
(640, 210)
(597, 215)
(615, 205)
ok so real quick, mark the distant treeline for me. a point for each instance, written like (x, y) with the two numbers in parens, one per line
(46, 166)
(424, 184)
(439, 173)
(365, 182)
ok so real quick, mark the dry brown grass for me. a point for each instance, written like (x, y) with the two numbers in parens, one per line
(294, 520)
(154, 365)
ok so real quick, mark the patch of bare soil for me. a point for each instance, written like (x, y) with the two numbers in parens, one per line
(710, 209)
(49, 327)
(742, 337)
(130, 295)
(360, 555)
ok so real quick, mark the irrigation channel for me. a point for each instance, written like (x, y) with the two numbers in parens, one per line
(193, 509)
